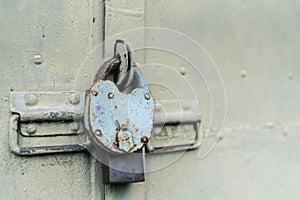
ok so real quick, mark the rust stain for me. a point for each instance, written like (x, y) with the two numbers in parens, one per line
(94, 116)
(124, 127)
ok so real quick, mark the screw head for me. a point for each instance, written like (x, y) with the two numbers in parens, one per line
(31, 99)
(98, 132)
(186, 106)
(243, 74)
(182, 70)
(74, 98)
(31, 129)
(94, 93)
(110, 95)
(147, 96)
(37, 59)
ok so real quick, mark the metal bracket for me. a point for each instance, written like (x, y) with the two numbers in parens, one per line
(52, 122)
(45, 121)
(177, 127)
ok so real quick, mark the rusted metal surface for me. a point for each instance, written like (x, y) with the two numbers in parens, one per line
(106, 68)
(119, 118)
(43, 106)
(59, 128)
(48, 114)
(120, 113)
(42, 46)
(123, 119)
(177, 126)
(175, 137)
(32, 150)
(44, 115)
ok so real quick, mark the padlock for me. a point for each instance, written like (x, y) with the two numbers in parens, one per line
(119, 117)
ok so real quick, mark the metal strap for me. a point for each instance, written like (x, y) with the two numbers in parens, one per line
(13, 142)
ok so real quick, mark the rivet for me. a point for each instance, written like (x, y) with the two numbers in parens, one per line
(285, 131)
(37, 59)
(98, 132)
(31, 129)
(182, 70)
(186, 106)
(74, 98)
(243, 74)
(94, 93)
(147, 96)
(31, 99)
(110, 95)
(144, 139)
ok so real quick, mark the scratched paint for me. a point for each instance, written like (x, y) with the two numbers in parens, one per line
(123, 119)
(255, 159)
(255, 44)
(61, 32)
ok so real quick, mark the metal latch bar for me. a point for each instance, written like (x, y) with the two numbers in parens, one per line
(51, 106)
(13, 141)
(46, 115)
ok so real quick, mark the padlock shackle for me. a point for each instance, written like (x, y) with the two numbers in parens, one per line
(107, 67)
(125, 72)
(133, 78)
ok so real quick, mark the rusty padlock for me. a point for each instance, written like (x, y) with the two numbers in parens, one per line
(119, 116)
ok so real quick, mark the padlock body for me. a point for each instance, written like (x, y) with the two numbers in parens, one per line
(120, 122)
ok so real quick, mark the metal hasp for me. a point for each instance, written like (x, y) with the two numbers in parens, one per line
(120, 117)
(114, 119)
(177, 126)
(46, 115)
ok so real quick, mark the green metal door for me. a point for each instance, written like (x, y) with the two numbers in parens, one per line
(255, 46)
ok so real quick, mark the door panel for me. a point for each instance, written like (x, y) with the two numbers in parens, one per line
(61, 32)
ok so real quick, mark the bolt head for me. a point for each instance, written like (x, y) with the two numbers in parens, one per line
(31, 129)
(74, 98)
(186, 106)
(147, 96)
(182, 70)
(31, 99)
(98, 132)
(94, 93)
(37, 59)
(243, 74)
(110, 95)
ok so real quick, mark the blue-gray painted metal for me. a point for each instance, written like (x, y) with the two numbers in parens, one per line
(118, 120)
